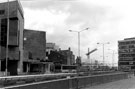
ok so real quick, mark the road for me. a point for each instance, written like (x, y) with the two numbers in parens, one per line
(121, 84)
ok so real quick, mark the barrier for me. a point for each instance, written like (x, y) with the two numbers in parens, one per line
(72, 83)
(14, 80)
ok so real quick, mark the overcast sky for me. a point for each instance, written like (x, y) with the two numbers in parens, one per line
(108, 20)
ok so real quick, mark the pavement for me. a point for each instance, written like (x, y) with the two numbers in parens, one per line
(121, 84)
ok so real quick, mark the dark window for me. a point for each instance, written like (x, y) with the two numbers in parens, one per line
(123, 47)
(132, 42)
(3, 34)
(57, 67)
(132, 67)
(2, 12)
(30, 55)
(69, 67)
(38, 58)
(131, 46)
(124, 63)
(47, 54)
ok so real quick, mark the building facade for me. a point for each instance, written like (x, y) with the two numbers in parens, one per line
(14, 12)
(34, 51)
(68, 56)
(26, 48)
(62, 59)
(65, 57)
(126, 51)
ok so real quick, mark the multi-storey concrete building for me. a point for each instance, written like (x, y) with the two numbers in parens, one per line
(14, 12)
(126, 49)
(26, 48)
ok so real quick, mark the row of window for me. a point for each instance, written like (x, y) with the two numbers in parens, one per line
(128, 59)
(127, 46)
(127, 51)
(126, 55)
(127, 63)
(126, 43)
(126, 68)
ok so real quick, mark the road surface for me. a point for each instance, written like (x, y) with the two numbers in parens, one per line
(121, 84)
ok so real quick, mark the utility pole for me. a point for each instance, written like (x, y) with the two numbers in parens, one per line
(7, 43)
(79, 39)
(103, 44)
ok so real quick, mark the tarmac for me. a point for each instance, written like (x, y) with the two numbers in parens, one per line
(121, 84)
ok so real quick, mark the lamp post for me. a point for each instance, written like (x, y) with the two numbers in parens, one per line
(103, 44)
(104, 62)
(113, 55)
(79, 38)
(7, 42)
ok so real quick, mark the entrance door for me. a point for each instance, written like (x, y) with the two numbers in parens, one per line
(12, 67)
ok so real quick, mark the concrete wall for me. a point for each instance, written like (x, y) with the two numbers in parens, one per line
(13, 7)
(34, 45)
(73, 83)
(16, 27)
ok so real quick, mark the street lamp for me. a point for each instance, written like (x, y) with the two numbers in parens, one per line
(113, 54)
(104, 62)
(79, 39)
(103, 44)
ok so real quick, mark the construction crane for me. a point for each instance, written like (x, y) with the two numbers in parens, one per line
(89, 52)
(88, 55)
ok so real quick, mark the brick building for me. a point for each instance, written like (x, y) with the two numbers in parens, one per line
(126, 49)
(68, 56)
(15, 45)
(65, 57)
(62, 58)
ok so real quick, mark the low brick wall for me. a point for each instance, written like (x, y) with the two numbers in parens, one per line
(73, 83)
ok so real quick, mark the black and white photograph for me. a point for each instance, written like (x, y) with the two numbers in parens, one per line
(67, 44)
